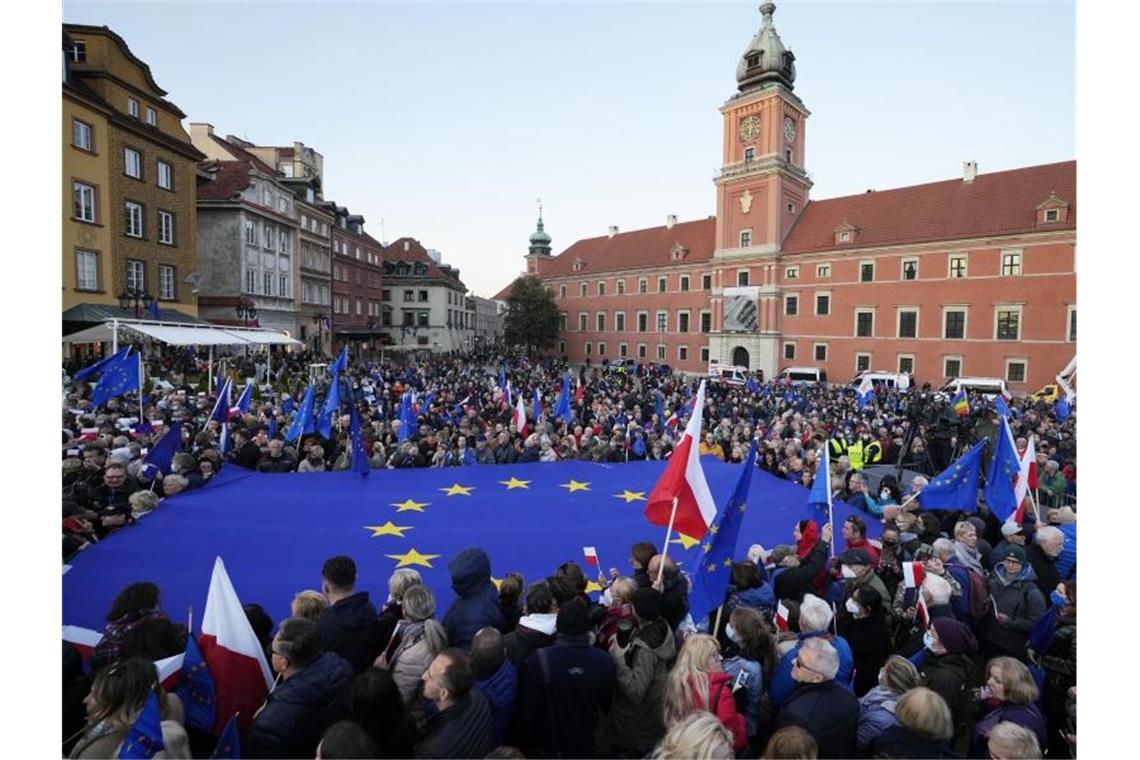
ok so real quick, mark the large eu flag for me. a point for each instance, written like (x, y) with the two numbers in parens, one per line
(122, 376)
(956, 487)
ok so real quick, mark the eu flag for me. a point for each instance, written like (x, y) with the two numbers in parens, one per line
(956, 487)
(1001, 407)
(820, 494)
(229, 743)
(659, 407)
(144, 740)
(359, 455)
(1004, 467)
(288, 405)
(101, 365)
(155, 314)
(1062, 409)
(168, 445)
(331, 407)
(340, 363)
(272, 427)
(537, 410)
(245, 398)
(221, 411)
(196, 688)
(406, 419)
(714, 569)
(562, 408)
(118, 378)
(303, 421)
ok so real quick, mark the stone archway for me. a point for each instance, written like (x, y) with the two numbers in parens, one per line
(740, 357)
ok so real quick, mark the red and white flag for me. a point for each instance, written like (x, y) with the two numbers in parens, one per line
(170, 670)
(233, 654)
(1027, 477)
(591, 554)
(913, 574)
(578, 393)
(781, 618)
(683, 481)
(921, 613)
(84, 639)
(518, 419)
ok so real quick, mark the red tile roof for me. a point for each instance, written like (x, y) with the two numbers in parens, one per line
(632, 250)
(1001, 203)
(505, 293)
(241, 154)
(231, 178)
(416, 252)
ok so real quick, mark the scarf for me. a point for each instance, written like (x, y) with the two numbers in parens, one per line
(969, 557)
(809, 537)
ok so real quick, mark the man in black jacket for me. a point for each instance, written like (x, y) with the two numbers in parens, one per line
(463, 726)
(674, 588)
(349, 625)
(826, 710)
(535, 628)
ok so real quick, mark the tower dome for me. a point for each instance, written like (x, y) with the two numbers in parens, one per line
(766, 59)
(539, 240)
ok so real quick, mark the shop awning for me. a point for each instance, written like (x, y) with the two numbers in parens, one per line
(262, 337)
(179, 334)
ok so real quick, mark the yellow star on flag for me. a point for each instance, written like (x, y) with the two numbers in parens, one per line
(593, 586)
(707, 548)
(412, 557)
(512, 484)
(688, 542)
(458, 490)
(497, 581)
(574, 485)
(410, 506)
(728, 561)
(388, 529)
(630, 496)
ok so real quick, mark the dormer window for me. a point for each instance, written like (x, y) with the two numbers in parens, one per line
(753, 59)
(1053, 210)
(1052, 215)
(845, 237)
(679, 252)
(846, 233)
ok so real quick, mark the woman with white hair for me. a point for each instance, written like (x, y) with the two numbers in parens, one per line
(698, 735)
(966, 546)
(421, 639)
(815, 622)
(1009, 741)
(393, 610)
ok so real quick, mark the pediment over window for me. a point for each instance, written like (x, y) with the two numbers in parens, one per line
(578, 265)
(679, 252)
(1054, 210)
(846, 233)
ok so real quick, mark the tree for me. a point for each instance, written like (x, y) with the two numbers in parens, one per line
(532, 319)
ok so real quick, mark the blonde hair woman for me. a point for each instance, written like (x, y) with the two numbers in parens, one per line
(698, 682)
(308, 605)
(924, 728)
(1012, 685)
(699, 735)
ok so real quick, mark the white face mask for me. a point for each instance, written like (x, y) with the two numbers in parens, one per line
(730, 632)
(928, 640)
(884, 494)
(853, 607)
(848, 572)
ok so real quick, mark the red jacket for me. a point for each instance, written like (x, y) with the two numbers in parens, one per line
(724, 708)
(873, 551)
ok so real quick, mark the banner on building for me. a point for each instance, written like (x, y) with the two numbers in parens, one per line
(741, 312)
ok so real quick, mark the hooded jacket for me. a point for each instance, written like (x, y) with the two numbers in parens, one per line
(533, 632)
(1021, 601)
(300, 709)
(351, 629)
(876, 714)
(477, 602)
(635, 717)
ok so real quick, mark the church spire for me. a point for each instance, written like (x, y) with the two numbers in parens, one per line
(539, 240)
(766, 59)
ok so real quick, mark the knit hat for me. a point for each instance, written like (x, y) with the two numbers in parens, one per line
(955, 637)
(978, 523)
(573, 617)
(1015, 551)
(647, 603)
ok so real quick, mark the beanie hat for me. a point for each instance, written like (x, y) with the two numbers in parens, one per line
(573, 617)
(956, 637)
(647, 603)
(978, 523)
(1015, 551)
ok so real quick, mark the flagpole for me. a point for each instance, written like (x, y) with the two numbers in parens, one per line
(1036, 508)
(665, 550)
(716, 624)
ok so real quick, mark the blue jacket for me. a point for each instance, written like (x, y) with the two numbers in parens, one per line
(960, 604)
(300, 709)
(1067, 562)
(477, 602)
(782, 682)
(876, 714)
(500, 690)
(754, 687)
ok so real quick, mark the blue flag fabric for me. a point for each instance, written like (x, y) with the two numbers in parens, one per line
(221, 411)
(407, 419)
(1044, 631)
(245, 398)
(752, 386)
(229, 743)
(1062, 409)
(118, 378)
(341, 362)
(303, 421)
(288, 405)
(196, 688)
(272, 426)
(956, 487)
(168, 445)
(101, 365)
(155, 314)
(562, 409)
(718, 553)
(537, 410)
(331, 408)
(426, 405)
(144, 740)
(1001, 407)
(359, 455)
(1004, 467)
(819, 496)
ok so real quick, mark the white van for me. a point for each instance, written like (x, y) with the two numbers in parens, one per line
(891, 380)
(802, 375)
(727, 373)
(989, 387)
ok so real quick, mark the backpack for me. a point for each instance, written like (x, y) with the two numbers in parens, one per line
(980, 602)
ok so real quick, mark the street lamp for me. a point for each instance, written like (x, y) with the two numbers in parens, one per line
(137, 298)
(319, 323)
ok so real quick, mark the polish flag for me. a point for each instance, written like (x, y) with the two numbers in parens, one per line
(1027, 477)
(781, 618)
(232, 653)
(170, 670)
(683, 483)
(518, 419)
(89, 434)
(591, 554)
(578, 392)
(913, 574)
(921, 613)
(84, 639)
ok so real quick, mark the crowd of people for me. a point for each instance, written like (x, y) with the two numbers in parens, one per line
(824, 647)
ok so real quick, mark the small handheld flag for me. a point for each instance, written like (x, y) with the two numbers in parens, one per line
(229, 743)
(913, 574)
(781, 617)
(144, 740)
(591, 555)
(956, 487)
(960, 404)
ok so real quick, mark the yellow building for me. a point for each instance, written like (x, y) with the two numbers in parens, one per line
(130, 175)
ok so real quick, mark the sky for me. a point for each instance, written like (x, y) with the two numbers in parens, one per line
(447, 121)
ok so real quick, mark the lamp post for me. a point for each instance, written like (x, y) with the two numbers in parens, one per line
(137, 298)
(319, 323)
(371, 334)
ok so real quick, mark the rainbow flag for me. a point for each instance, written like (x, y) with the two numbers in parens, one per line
(961, 406)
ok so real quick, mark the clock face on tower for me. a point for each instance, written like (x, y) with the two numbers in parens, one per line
(749, 128)
(789, 129)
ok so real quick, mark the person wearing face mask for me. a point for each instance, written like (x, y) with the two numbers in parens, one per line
(866, 629)
(877, 707)
(750, 658)
(856, 571)
(890, 567)
(1058, 658)
(948, 665)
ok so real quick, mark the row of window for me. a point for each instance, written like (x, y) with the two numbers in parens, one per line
(87, 275)
(85, 206)
(134, 163)
(314, 293)
(683, 285)
(661, 322)
(314, 225)
(1015, 369)
(269, 236)
(343, 249)
(661, 351)
(283, 281)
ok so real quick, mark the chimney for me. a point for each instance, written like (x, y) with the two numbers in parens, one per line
(670, 220)
(407, 245)
(969, 170)
(613, 230)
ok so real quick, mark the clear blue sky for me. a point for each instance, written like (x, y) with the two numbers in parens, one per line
(448, 120)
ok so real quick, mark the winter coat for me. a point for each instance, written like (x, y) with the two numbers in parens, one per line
(464, 729)
(1021, 601)
(351, 629)
(870, 641)
(794, 582)
(102, 742)
(761, 598)
(754, 687)
(1026, 716)
(615, 613)
(533, 632)
(387, 621)
(1067, 562)
(876, 714)
(283, 463)
(782, 682)
(828, 711)
(139, 633)
(411, 658)
(635, 717)
(563, 689)
(300, 709)
(1044, 567)
(722, 704)
(900, 742)
(948, 675)
(675, 605)
(500, 690)
(477, 601)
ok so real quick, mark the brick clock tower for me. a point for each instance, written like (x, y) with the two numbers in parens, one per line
(761, 191)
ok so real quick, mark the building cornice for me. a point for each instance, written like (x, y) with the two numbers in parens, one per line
(765, 93)
(944, 245)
